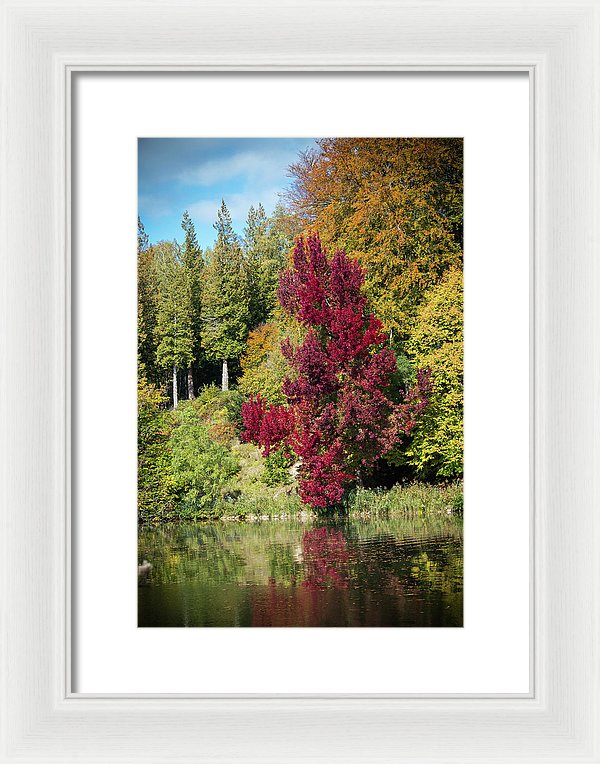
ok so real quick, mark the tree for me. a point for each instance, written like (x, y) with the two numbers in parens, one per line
(174, 327)
(191, 257)
(436, 340)
(263, 366)
(265, 248)
(147, 308)
(225, 298)
(341, 414)
(395, 205)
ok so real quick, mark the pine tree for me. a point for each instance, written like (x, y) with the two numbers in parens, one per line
(191, 257)
(174, 328)
(147, 308)
(265, 249)
(225, 298)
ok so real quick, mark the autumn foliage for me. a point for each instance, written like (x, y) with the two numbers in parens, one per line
(342, 412)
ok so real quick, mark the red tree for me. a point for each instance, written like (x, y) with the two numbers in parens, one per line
(341, 415)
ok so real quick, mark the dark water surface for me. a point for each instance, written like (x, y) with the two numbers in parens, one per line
(390, 572)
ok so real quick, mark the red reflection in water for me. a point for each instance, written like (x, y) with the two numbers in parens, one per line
(321, 596)
(325, 553)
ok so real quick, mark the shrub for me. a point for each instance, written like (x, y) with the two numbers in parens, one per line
(156, 485)
(201, 466)
(220, 409)
(277, 468)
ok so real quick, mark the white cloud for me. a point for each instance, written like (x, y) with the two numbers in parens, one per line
(238, 204)
(253, 165)
(153, 206)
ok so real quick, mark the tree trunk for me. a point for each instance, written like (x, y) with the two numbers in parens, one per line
(190, 379)
(225, 377)
(174, 386)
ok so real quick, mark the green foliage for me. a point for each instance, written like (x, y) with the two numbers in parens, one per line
(277, 468)
(265, 247)
(191, 258)
(156, 485)
(261, 506)
(215, 405)
(147, 308)
(201, 466)
(174, 324)
(436, 341)
(263, 366)
(191, 254)
(226, 295)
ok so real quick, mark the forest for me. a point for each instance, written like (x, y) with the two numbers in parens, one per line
(312, 363)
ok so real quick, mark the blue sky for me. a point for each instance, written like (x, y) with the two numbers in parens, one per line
(175, 174)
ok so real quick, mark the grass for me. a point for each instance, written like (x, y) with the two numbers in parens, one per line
(410, 499)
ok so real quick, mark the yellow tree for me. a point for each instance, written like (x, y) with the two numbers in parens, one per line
(436, 341)
(395, 204)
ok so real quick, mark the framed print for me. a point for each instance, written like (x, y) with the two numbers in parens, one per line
(260, 505)
(496, 141)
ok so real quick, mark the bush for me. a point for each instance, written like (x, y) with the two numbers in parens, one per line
(221, 409)
(277, 468)
(156, 485)
(201, 466)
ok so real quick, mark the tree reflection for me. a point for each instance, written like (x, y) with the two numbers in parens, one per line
(325, 556)
(382, 572)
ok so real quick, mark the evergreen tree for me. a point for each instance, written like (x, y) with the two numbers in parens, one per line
(191, 253)
(142, 237)
(147, 308)
(265, 247)
(191, 257)
(225, 298)
(174, 326)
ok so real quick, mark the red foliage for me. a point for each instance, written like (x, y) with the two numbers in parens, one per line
(341, 416)
(268, 427)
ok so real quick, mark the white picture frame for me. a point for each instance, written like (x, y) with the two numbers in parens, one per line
(44, 43)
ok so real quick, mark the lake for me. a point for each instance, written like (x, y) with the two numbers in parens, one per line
(405, 571)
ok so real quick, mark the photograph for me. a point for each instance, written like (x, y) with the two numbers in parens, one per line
(300, 382)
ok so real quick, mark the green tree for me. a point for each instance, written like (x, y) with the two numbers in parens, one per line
(225, 298)
(147, 308)
(191, 257)
(436, 341)
(174, 326)
(265, 247)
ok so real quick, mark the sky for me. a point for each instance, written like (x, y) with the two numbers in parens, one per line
(194, 174)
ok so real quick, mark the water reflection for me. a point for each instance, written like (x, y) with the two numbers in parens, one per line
(325, 558)
(390, 572)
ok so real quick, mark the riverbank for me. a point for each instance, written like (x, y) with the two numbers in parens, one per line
(283, 503)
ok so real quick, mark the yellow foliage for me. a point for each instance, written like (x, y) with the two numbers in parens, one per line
(395, 204)
(263, 366)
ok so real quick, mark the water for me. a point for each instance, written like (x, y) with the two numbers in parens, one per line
(390, 572)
